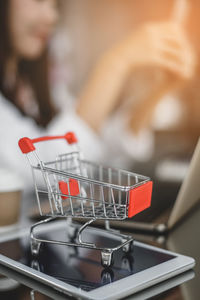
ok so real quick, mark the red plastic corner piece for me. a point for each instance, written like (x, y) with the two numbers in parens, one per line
(73, 186)
(140, 198)
(26, 145)
(64, 189)
(71, 138)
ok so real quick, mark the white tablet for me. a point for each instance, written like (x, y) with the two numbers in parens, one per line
(14, 280)
(78, 271)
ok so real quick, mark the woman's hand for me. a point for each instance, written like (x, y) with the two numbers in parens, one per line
(163, 45)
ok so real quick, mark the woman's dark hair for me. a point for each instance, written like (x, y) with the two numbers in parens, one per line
(35, 72)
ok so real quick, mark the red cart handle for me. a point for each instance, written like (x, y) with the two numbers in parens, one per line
(26, 144)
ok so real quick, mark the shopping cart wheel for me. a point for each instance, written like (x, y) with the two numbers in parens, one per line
(106, 258)
(35, 247)
(128, 247)
(107, 276)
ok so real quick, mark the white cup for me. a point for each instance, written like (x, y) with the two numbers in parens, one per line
(11, 187)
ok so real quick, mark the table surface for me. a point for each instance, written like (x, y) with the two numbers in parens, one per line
(184, 239)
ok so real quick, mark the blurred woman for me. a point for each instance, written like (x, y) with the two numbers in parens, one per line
(29, 106)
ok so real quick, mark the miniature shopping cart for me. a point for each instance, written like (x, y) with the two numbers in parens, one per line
(74, 187)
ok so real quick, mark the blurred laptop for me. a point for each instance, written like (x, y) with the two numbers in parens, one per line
(153, 220)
